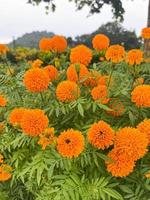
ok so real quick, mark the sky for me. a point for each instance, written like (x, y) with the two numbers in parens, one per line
(17, 18)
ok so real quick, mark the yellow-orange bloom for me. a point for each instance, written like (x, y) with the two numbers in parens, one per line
(100, 93)
(70, 143)
(117, 107)
(144, 127)
(5, 172)
(103, 80)
(45, 44)
(134, 57)
(46, 138)
(58, 44)
(34, 122)
(93, 79)
(81, 54)
(67, 91)
(132, 142)
(77, 72)
(16, 116)
(52, 72)
(146, 33)
(101, 135)
(100, 42)
(37, 63)
(115, 53)
(3, 49)
(36, 80)
(3, 101)
(121, 165)
(1, 158)
(141, 95)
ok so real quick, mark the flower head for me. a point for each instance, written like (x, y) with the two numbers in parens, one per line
(141, 95)
(3, 101)
(101, 135)
(5, 172)
(146, 33)
(144, 127)
(132, 142)
(93, 78)
(77, 72)
(3, 49)
(100, 93)
(67, 91)
(36, 80)
(45, 44)
(58, 44)
(1, 158)
(34, 122)
(70, 143)
(81, 54)
(100, 42)
(134, 57)
(16, 115)
(121, 165)
(52, 72)
(115, 53)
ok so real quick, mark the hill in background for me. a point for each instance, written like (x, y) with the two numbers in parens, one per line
(115, 31)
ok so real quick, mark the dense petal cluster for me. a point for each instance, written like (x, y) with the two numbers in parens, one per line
(3, 101)
(93, 79)
(5, 172)
(146, 33)
(115, 53)
(36, 80)
(52, 72)
(34, 122)
(77, 72)
(3, 49)
(45, 44)
(101, 135)
(81, 54)
(100, 42)
(134, 57)
(141, 95)
(16, 115)
(70, 143)
(58, 44)
(67, 91)
(100, 93)
(144, 127)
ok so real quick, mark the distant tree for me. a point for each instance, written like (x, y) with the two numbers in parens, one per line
(117, 34)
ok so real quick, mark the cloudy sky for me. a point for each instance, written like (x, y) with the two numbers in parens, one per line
(17, 18)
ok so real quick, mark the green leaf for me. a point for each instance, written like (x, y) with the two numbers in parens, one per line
(80, 109)
(113, 193)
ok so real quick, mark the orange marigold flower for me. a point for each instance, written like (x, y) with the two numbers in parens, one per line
(134, 57)
(37, 63)
(67, 91)
(100, 93)
(103, 80)
(141, 95)
(5, 172)
(45, 44)
(46, 138)
(101, 135)
(115, 53)
(70, 143)
(36, 80)
(144, 127)
(16, 116)
(121, 165)
(52, 72)
(77, 72)
(146, 33)
(117, 107)
(58, 43)
(3, 101)
(2, 126)
(3, 49)
(132, 142)
(81, 54)
(100, 42)
(1, 158)
(34, 122)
